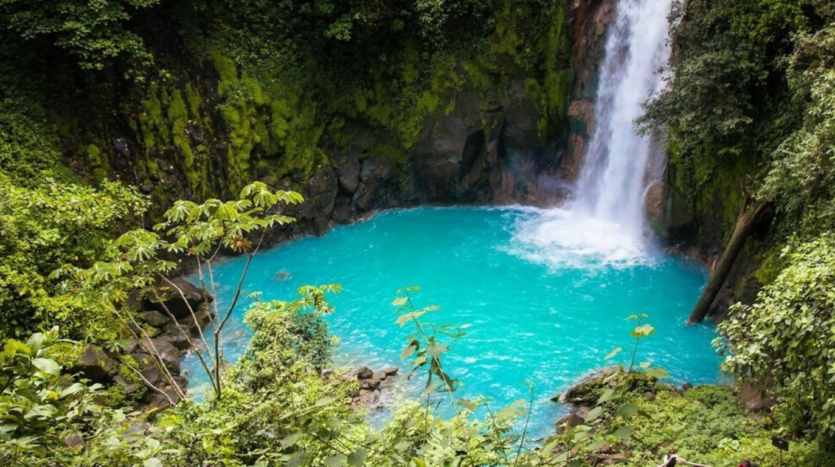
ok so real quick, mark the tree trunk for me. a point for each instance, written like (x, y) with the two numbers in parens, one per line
(747, 221)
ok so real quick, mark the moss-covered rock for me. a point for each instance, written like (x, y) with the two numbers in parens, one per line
(590, 387)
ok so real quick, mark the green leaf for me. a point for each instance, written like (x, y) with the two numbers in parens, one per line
(357, 458)
(152, 462)
(325, 401)
(627, 411)
(624, 432)
(642, 331)
(290, 440)
(35, 342)
(296, 459)
(594, 414)
(595, 445)
(607, 396)
(657, 373)
(613, 353)
(408, 351)
(400, 301)
(437, 350)
(72, 389)
(405, 318)
(335, 461)
(41, 411)
(46, 365)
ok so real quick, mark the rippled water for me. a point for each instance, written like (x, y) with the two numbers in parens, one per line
(547, 295)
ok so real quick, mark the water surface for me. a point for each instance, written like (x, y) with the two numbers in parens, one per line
(546, 294)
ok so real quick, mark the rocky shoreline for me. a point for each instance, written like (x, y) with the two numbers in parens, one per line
(166, 326)
(172, 339)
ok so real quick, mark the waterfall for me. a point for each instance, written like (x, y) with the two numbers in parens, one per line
(615, 172)
(604, 223)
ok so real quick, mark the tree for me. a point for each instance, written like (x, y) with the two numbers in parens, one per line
(92, 30)
(201, 232)
(751, 215)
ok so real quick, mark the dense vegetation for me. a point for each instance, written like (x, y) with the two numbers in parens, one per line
(750, 115)
(205, 96)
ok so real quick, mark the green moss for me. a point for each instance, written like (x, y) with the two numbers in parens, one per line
(393, 153)
(151, 121)
(193, 99)
(98, 163)
(708, 426)
(772, 264)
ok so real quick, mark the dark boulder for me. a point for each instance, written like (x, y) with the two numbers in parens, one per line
(162, 401)
(569, 421)
(95, 365)
(166, 350)
(192, 324)
(162, 346)
(371, 383)
(365, 373)
(320, 197)
(348, 173)
(376, 177)
(154, 318)
(590, 387)
(128, 387)
(176, 301)
(343, 212)
(149, 370)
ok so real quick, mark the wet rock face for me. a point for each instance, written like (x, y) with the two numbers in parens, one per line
(487, 150)
(654, 205)
(589, 20)
(486, 157)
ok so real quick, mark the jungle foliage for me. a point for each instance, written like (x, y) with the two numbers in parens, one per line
(212, 93)
(750, 116)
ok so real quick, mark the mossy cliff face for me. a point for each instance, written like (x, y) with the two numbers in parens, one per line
(483, 126)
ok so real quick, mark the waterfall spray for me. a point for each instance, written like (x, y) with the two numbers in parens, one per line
(605, 222)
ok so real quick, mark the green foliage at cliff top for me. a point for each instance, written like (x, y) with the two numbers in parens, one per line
(730, 104)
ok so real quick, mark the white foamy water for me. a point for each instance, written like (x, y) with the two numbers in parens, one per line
(569, 239)
(605, 221)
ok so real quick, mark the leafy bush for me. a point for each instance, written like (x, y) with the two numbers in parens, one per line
(786, 339)
(707, 425)
(43, 413)
(43, 228)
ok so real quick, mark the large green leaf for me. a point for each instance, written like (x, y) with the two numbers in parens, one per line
(47, 365)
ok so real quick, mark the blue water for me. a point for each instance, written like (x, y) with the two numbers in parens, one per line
(544, 307)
